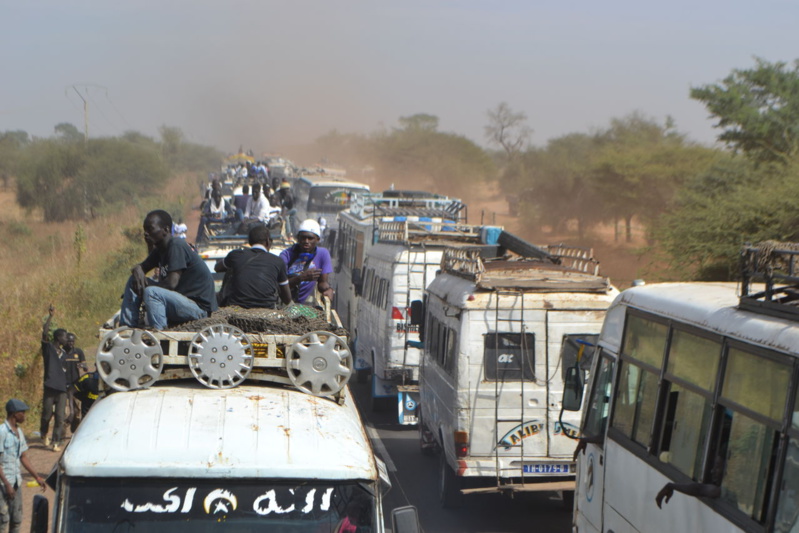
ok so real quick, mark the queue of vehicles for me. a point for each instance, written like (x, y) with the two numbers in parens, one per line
(509, 357)
(223, 426)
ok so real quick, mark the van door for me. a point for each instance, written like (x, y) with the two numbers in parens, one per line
(510, 405)
(566, 331)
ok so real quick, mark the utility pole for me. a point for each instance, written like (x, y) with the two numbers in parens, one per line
(85, 116)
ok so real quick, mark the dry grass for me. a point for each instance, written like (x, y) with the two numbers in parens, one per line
(79, 267)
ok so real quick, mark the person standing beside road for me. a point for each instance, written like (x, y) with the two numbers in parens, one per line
(308, 264)
(184, 293)
(287, 205)
(76, 363)
(13, 448)
(256, 277)
(54, 397)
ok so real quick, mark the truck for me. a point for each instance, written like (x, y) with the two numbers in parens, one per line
(211, 425)
(500, 324)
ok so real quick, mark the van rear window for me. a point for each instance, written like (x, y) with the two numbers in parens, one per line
(509, 357)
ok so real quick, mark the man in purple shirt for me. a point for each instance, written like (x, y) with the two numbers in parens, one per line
(308, 264)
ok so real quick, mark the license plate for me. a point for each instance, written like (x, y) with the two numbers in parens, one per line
(546, 469)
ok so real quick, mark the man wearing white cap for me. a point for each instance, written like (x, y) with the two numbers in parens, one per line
(12, 453)
(308, 264)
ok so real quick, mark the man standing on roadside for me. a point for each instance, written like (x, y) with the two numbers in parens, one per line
(76, 362)
(54, 398)
(13, 448)
(186, 290)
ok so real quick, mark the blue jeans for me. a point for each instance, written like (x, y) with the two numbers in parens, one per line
(161, 307)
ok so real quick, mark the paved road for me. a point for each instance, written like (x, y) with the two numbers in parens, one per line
(414, 479)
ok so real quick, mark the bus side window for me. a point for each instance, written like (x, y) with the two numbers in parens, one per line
(691, 371)
(753, 396)
(787, 518)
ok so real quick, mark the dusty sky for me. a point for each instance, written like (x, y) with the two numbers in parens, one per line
(263, 73)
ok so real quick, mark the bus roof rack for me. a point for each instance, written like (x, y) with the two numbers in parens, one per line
(559, 268)
(406, 203)
(776, 265)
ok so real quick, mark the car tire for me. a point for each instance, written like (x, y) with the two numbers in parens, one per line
(449, 485)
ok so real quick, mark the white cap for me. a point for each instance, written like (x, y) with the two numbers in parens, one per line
(311, 226)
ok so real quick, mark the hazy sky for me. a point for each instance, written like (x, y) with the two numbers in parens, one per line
(262, 73)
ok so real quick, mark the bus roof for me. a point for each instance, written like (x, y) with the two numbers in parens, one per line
(250, 431)
(712, 307)
(326, 180)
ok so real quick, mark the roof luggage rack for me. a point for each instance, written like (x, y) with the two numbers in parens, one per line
(406, 203)
(561, 269)
(406, 231)
(223, 351)
(775, 264)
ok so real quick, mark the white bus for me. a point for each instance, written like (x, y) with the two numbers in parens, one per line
(323, 197)
(497, 337)
(692, 397)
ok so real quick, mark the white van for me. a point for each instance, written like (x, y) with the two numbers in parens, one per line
(498, 335)
(358, 232)
(220, 428)
(396, 271)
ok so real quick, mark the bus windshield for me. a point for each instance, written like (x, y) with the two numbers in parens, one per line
(331, 199)
(198, 505)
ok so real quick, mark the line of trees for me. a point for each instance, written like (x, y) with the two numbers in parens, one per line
(697, 204)
(70, 178)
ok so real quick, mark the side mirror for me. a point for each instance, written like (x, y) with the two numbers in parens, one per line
(39, 514)
(357, 281)
(573, 389)
(405, 520)
(417, 312)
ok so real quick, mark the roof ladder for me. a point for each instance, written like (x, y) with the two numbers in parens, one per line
(514, 325)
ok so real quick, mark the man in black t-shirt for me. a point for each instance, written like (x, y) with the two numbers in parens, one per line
(54, 397)
(254, 277)
(185, 293)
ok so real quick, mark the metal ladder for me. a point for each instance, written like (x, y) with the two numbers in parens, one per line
(414, 266)
(506, 325)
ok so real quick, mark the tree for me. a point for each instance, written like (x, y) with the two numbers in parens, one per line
(639, 166)
(734, 202)
(757, 110)
(68, 133)
(171, 144)
(419, 122)
(507, 129)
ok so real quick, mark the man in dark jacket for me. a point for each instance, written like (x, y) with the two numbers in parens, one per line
(184, 293)
(54, 397)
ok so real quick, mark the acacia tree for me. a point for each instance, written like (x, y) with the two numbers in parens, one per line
(508, 129)
(757, 110)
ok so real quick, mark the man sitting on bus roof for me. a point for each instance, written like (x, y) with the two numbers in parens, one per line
(256, 277)
(184, 293)
(308, 264)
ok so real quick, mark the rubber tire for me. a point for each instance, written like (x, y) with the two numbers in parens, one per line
(428, 451)
(568, 500)
(449, 485)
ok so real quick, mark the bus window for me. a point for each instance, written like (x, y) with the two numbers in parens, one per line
(509, 356)
(693, 360)
(597, 416)
(634, 408)
(754, 396)
(787, 519)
